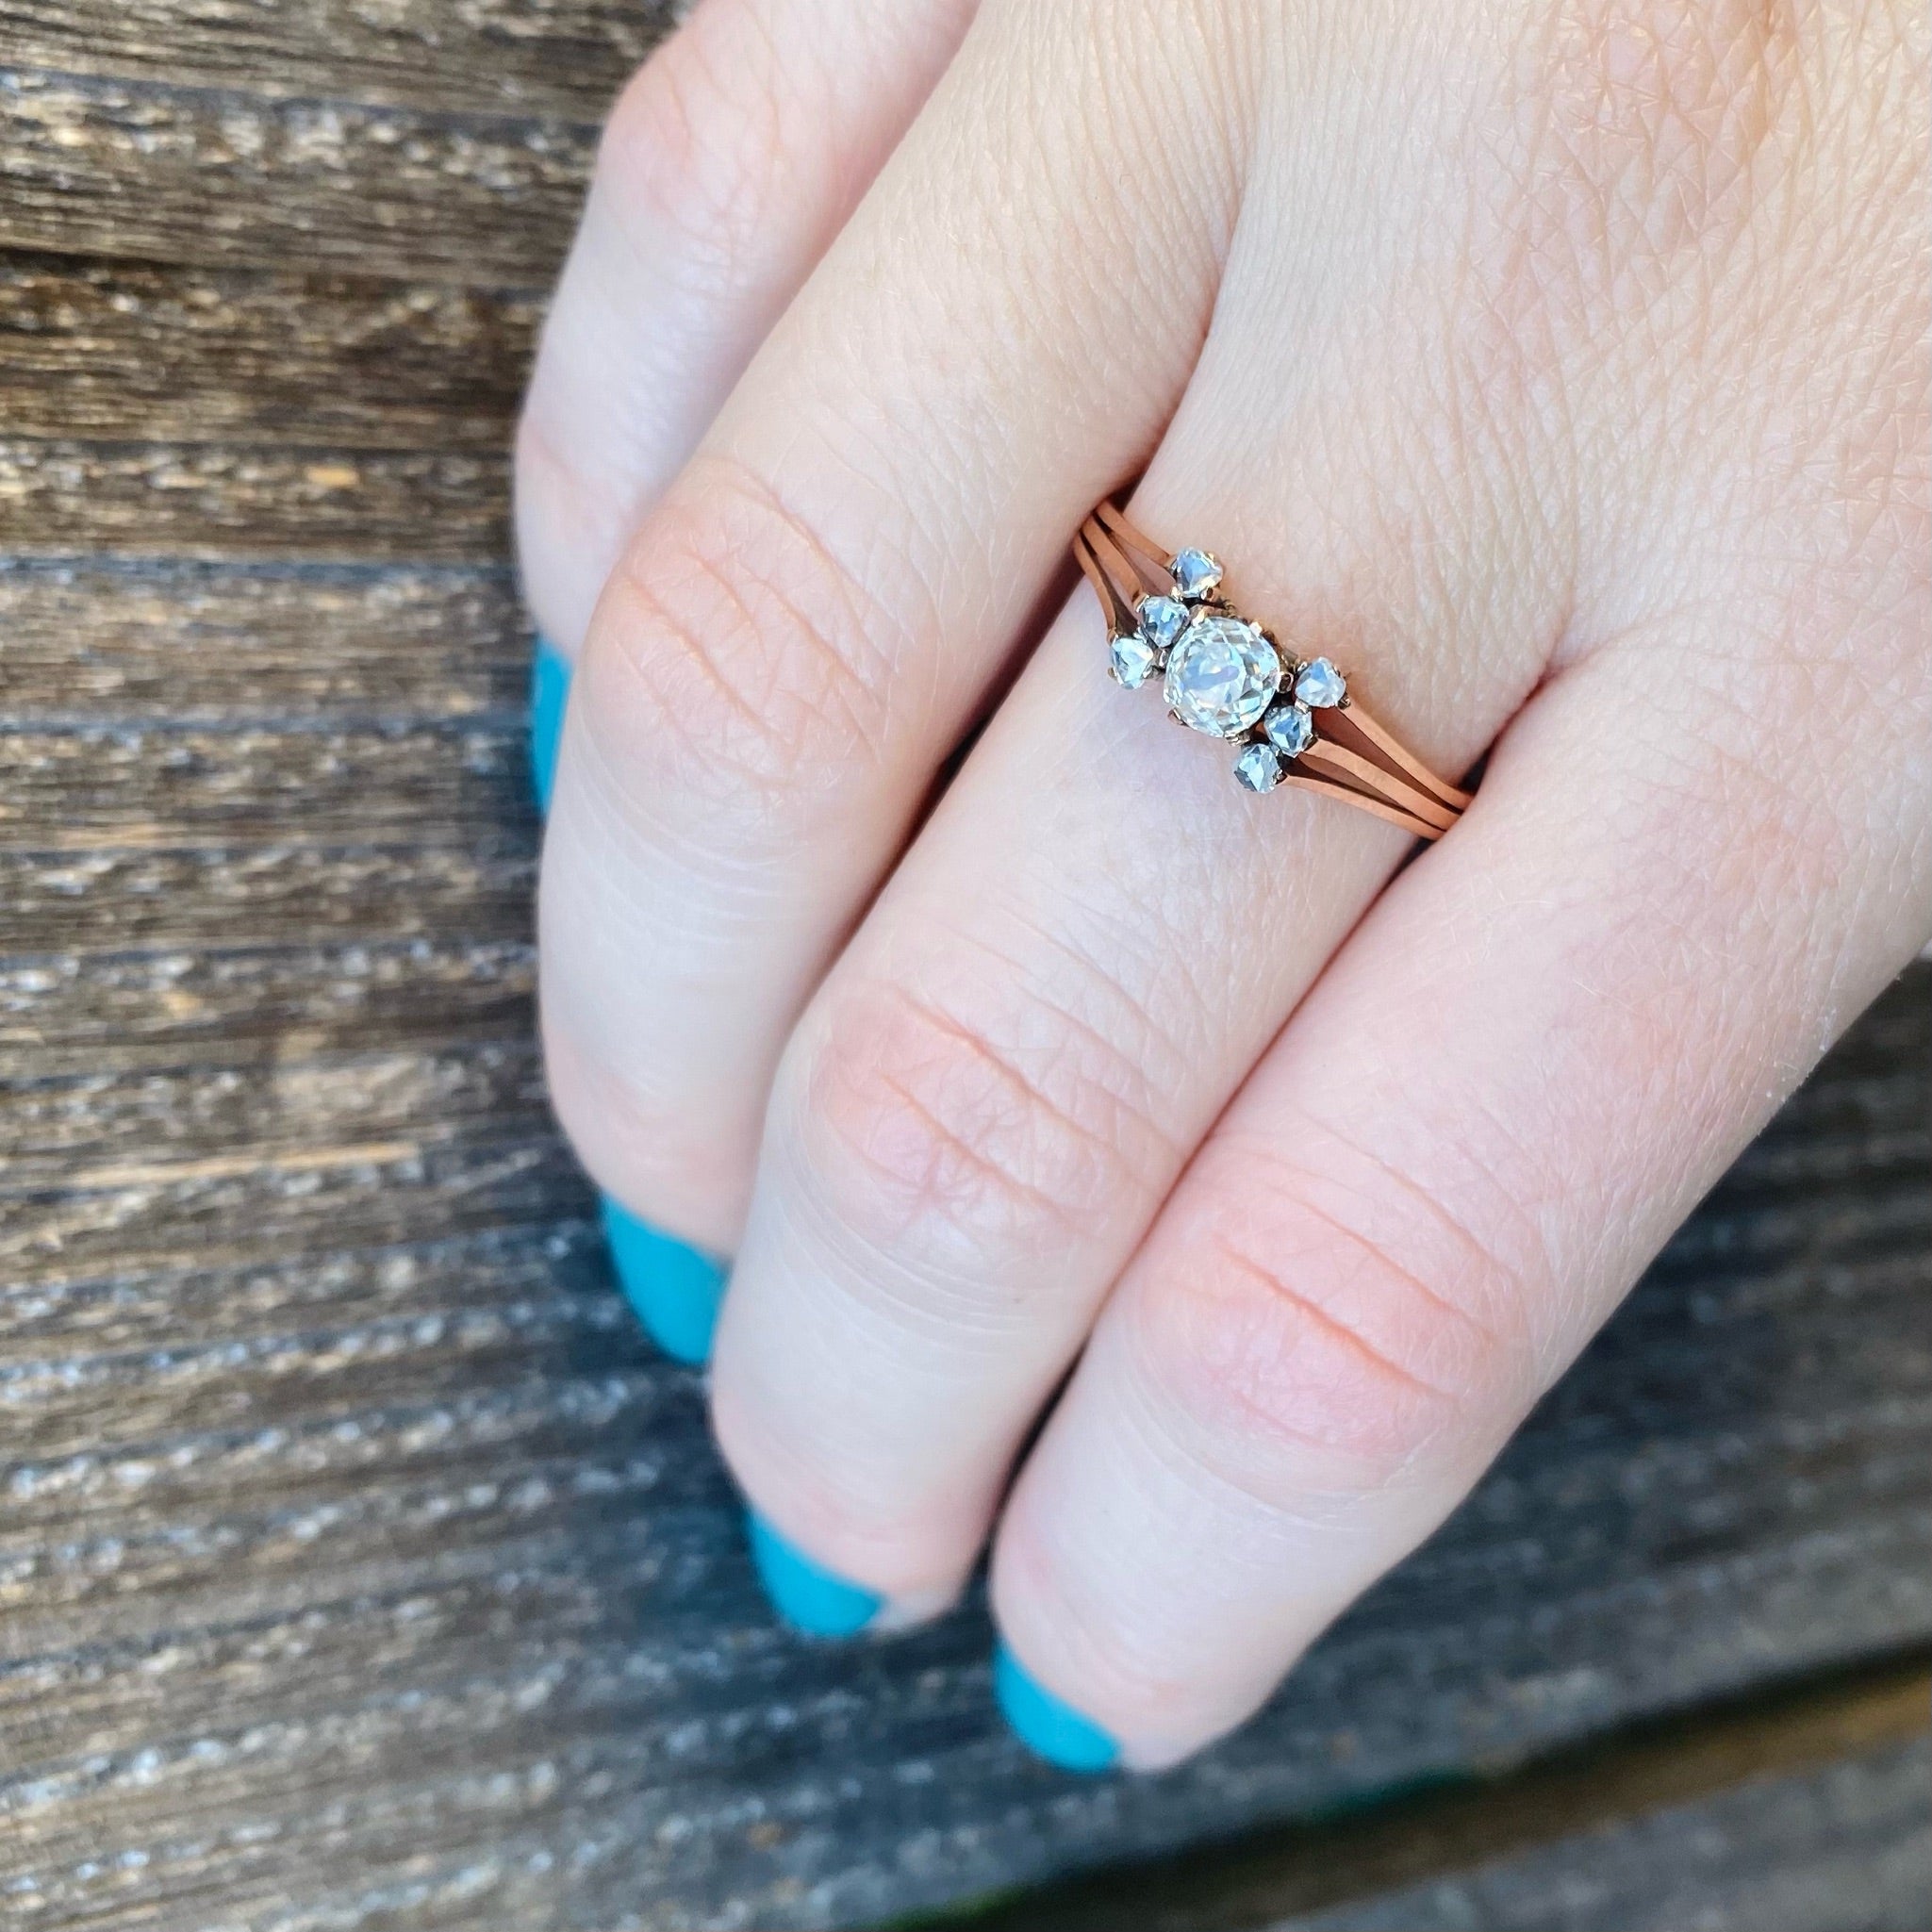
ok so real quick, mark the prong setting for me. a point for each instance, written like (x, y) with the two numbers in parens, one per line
(1227, 677)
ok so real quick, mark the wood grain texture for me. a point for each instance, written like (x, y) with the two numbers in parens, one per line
(92, 642)
(562, 58)
(141, 169)
(56, 901)
(208, 499)
(149, 353)
(360, 1567)
(103, 1014)
(1806, 1809)
(1843, 1847)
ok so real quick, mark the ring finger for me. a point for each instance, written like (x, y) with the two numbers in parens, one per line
(1087, 950)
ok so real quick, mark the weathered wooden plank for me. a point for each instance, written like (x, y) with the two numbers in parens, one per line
(1843, 1848)
(256, 1203)
(111, 1012)
(1734, 1483)
(95, 786)
(1809, 1811)
(90, 640)
(221, 500)
(136, 351)
(149, 172)
(54, 903)
(563, 58)
(130, 1313)
(57, 1130)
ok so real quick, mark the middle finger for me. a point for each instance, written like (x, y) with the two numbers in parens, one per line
(797, 636)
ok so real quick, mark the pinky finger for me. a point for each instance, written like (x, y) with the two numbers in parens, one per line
(1544, 1042)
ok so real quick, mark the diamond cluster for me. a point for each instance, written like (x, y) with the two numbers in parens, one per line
(1224, 676)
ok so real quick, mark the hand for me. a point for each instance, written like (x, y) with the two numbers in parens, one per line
(1558, 367)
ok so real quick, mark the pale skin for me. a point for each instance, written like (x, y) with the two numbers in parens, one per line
(1558, 367)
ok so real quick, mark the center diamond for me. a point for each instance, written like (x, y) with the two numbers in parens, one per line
(1221, 675)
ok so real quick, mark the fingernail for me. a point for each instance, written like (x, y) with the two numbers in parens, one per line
(808, 1597)
(676, 1288)
(1046, 1725)
(550, 690)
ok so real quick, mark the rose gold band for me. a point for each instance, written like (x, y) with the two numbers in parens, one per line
(1348, 756)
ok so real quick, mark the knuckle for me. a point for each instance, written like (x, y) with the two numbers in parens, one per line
(759, 659)
(1346, 1341)
(1663, 103)
(571, 517)
(692, 148)
(680, 1162)
(919, 1124)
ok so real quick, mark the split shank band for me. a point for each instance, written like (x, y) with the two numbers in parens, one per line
(1292, 722)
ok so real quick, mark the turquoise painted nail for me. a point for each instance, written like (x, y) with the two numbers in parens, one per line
(550, 690)
(809, 1597)
(675, 1288)
(1046, 1725)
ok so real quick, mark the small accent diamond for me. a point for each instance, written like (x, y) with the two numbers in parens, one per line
(1196, 574)
(1320, 683)
(1258, 768)
(1130, 660)
(1289, 729)
(1163, 619)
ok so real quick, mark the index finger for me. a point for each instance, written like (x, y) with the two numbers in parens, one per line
(798, 635)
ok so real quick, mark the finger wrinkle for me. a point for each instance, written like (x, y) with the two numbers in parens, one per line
(1307, 1376)
(1156, 1057)
(1481, 1255)
(752, 698)
(694, 153)
(1349, 1334)
(947, 1124)
(868, 616)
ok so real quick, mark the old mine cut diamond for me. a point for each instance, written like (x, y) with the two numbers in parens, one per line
(1221, 676)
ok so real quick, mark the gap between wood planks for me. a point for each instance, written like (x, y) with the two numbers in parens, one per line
(1256, 1882)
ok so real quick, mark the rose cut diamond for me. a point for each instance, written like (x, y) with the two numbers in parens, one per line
(1130, 660)
(1321, 683)
(1258, 768)
(1196, 574)
(1161, 619)
(1289, 729)
(1221, 676)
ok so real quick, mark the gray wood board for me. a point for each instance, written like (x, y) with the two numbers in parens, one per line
(156, 172)
(112, 354)
(1801, 1810)
(1843, 1847)
(561, 59)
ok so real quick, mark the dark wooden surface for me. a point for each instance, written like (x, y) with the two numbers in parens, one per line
(1808, 1806)
(359, 1566)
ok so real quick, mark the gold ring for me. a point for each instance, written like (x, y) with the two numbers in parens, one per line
(1296, 723)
